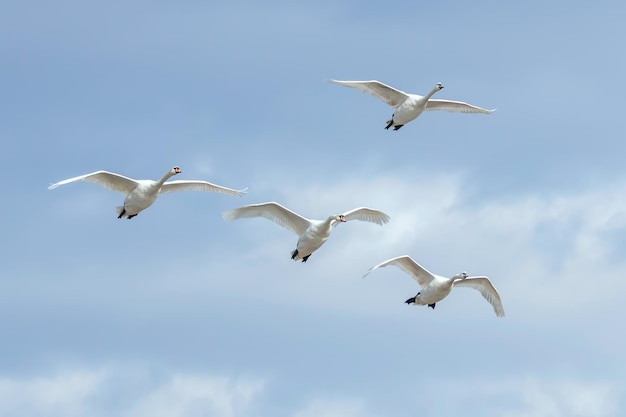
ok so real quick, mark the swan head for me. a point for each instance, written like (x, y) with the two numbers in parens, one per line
(462, 275)
(439, 86)
(175, 170)
(333, 220)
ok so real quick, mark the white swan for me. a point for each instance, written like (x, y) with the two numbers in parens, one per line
(140, 194)
(409, 106)
(435, 288)
(311, 233)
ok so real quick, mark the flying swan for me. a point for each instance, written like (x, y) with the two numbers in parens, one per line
(311, 233)
(140, 194)
(409, 106)
(435, 288)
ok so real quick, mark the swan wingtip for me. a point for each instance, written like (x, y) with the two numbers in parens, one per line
(384, 220)
(369, 271)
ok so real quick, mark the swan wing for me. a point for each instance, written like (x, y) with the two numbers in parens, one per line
(381, 91)
(367, 215)
(408, 265)
(271, 211)
(486, 288)
(110, 180)
(455, 106)
(194, 185)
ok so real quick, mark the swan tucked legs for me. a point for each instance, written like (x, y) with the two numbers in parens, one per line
(390, 123)
(295, 254)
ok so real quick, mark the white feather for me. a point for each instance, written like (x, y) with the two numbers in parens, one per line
(406, 106)
(140, 194)
(312, 234)
(435, 287)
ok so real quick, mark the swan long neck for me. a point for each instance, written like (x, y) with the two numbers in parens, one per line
(433, 91)
(165, 177)
(329, 220)
(457, 277)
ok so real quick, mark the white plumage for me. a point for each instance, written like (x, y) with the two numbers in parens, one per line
(409, 106)
(140, 194)
(311, 233)
(435, 287)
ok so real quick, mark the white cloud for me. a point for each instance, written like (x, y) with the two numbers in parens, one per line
(543, 253)
(138, 393)
(98, 393)
(530, 396)
(61, 395)
(537, 249)
(541, 248)
(565, 398)
(198, 396)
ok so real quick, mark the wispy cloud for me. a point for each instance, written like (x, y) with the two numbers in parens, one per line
(67, 394)
(526, 396)
(564, 398)
(109, 393)
(136, 393)
(541, 247)
(185, 395)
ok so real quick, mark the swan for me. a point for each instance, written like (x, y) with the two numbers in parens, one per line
(409, 106)
(311, 233)
(435, 287)
(140, 194)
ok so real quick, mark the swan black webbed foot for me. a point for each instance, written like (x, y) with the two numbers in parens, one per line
(396, 127)
(432, 306)
(131, 216)
(122, 213)
(306, 258)
(410, 300)
(294, 254)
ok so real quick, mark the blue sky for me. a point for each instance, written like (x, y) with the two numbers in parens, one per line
(179, 313)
